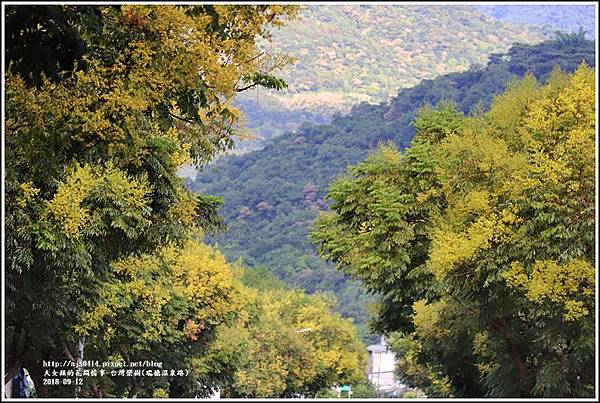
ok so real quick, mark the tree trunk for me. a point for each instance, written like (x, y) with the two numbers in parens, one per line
(517, 359)
(13, 359)
(36, 371)
(80, 347)
(96, 390)
(518, 362)
(134, 387)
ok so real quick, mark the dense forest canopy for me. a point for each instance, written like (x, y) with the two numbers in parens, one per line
(350, 53)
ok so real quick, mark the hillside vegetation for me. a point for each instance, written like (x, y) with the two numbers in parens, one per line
(474, 236)
(272, 196)
(346, 54)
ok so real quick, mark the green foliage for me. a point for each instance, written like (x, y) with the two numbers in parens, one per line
(262, 279)
(266, 80)
(44, 41)
(272, 196)
(364, 391)
(480, 238)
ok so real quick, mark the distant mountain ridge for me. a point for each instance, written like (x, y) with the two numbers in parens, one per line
(350, 53)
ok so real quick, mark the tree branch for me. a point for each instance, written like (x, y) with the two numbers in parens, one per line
(252, 59)
(246, 87)
(180, 118)
(66, 351)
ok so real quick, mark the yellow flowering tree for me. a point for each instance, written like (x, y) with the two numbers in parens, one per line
(163, 306)
(284, 343)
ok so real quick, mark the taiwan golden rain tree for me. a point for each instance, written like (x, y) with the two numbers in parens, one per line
(284, 344)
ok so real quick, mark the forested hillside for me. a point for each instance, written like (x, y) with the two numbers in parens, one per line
(349, 53)
(272, 196)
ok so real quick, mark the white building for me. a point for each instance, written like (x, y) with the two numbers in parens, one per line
(381, 369)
